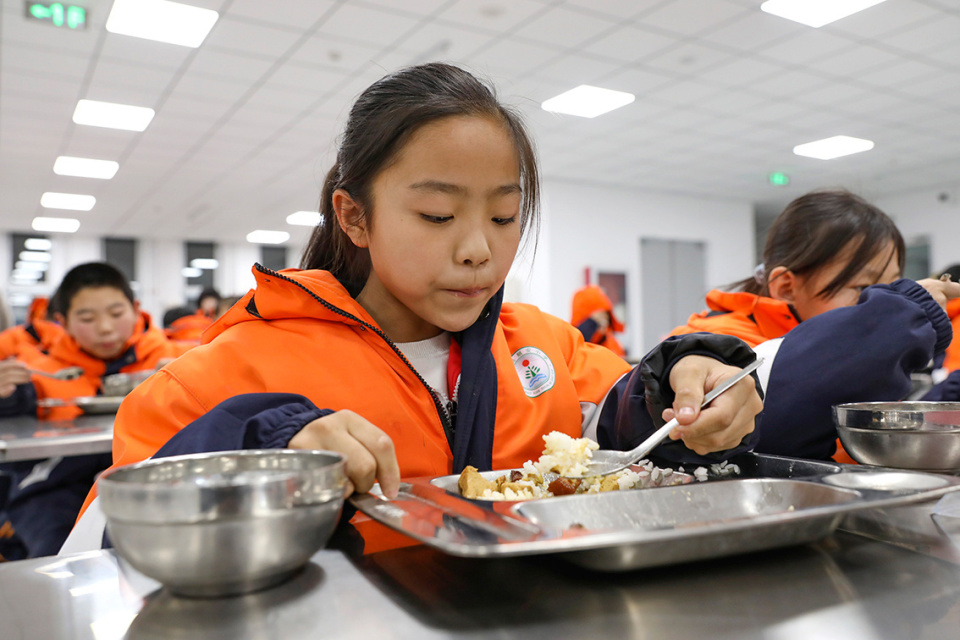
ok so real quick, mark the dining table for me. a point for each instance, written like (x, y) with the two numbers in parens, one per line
(27, 437)
(846, 585)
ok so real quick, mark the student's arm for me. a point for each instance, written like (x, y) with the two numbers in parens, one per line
(667, 380)
(17, 394)
(946, 391)
(286, 420)
(863, 353)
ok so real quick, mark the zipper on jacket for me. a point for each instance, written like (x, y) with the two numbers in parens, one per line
(447, 417)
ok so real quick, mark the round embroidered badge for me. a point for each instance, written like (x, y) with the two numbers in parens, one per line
(536, 372)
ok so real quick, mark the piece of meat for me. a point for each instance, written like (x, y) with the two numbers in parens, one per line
(564, 486)
(472, 484)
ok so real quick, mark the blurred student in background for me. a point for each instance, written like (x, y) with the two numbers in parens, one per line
(593, 315)
(104, 332)
(833, 318)
(185, 326)
(951, 361)
(38, 332)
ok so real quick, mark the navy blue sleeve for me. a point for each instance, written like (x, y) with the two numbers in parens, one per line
(22, 402)
(248, 421)
(634, 406)
(863, 353)
(946, 391)
(589, 329)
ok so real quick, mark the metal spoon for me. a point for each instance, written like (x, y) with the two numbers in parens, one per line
(67, 373)
(606, 461)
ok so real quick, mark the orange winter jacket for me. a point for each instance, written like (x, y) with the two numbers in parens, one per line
(952, 360)
(189, 328)
(36, 333)
(752, 318)
(301, 332)
(143, 351)
(586, 302)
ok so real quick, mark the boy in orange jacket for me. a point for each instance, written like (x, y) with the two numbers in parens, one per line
(104, 333)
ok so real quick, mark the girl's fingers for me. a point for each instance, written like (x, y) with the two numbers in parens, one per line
(369, 451)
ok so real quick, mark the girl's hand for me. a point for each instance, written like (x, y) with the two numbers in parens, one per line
(369, 451)
(12, 373)
(726, 420)
(941, 290)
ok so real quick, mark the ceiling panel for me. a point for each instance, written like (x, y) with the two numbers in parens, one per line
(246, 125)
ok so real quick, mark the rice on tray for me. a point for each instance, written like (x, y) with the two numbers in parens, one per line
(563, 456)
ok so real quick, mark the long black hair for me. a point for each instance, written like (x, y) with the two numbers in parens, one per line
(815, 228)
(381, 121)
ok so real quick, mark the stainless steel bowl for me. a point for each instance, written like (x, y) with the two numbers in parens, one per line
(223, 523)
(923, 436)
(120, 384)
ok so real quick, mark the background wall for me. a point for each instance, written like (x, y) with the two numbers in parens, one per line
(601, 228)
(933, 214)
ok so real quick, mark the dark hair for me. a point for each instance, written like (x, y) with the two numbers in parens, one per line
(954, 272)
(815, 228)
(88, 276)
(208, 292)
(381, 121)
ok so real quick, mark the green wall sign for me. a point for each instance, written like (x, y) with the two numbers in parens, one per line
(58, 14)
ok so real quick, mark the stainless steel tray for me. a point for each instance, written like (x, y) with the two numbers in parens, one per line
(775, 502)
(89, 404)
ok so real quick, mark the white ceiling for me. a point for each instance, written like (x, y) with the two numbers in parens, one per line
(246, 124)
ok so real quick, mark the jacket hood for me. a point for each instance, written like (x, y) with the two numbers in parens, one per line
(292, 293)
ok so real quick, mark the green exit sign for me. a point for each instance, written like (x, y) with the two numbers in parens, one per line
(58, 14)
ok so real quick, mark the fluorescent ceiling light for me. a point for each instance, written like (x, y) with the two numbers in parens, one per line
(161, 20)
(204, 263)
(25, 276)
(85, 167)
(28, 265)
(263, 236)
(112, 115)
(71, 201)
(834, 147)
(816, 13)
(587, 101)
(304, 218)
(37, 244)
(191, 272)
(35, 256)
(64, 225)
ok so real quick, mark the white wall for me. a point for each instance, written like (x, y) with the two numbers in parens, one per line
(601, 228)
(928, 214)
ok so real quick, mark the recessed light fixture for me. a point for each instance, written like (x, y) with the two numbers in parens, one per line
(587, 102)
(816, 13)
(31, 266)
(35, 256)
(85, 167)
(835, 147)
(112, 115)
(37, 244)
(59, 225)
(204, 263)
(191, 272)
(304, 218)
(71, 201)
(161, 20)
(263, 236)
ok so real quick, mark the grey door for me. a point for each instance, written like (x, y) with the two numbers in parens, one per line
(673, 277)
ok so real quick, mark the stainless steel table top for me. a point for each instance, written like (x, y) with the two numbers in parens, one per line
(846, 586)
(28, 438)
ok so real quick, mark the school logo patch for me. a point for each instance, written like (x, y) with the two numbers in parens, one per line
(536, 372)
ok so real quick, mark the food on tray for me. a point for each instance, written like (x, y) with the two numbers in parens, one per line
(561, 456)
